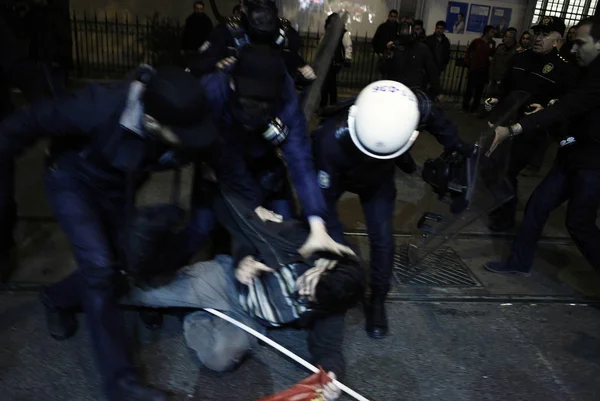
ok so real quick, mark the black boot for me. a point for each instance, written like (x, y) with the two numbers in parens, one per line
(377, 325)
(129, 388)
(62, 323)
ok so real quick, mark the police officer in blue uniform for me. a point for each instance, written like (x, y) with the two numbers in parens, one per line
(257, 108)
(357, 150)
(546, 75)
(100, 137)
(257, 24)
(575, 174)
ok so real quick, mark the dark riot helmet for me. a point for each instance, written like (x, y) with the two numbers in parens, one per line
(261, 20)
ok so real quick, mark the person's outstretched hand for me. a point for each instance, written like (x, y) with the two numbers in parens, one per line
(319, 240)
(249, 268)
(502, 134)
(268, 215)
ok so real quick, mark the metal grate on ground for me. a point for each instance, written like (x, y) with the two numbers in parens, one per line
(442, 268)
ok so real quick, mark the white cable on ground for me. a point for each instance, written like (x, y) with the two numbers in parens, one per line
(284, 351)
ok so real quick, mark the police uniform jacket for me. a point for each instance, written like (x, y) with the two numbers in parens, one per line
(343, 167)
(545, 77)
(96, 134)
(581, 108)
(240, 145)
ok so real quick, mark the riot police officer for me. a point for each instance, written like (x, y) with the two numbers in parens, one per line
(106, 139)
(258, 24)
(546, 75)
(357, 150)
(257, 108)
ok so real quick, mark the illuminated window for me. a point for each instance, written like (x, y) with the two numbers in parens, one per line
(572, 11)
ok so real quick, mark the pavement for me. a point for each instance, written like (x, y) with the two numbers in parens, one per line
(498, 338)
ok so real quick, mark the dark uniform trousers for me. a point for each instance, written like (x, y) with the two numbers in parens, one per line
(521, 150)
(582, 189)
(91, 218)
(378, 204)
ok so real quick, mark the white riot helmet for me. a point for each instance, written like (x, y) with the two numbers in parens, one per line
(383, 120)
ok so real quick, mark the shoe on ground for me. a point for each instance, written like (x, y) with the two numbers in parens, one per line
(377, 324)
(61, 323)
(505, 268)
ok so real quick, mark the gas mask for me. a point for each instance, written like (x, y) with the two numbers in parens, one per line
(276, 132)
(406, 34)
(261, 19)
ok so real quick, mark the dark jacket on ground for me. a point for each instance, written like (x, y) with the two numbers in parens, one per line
(196, 31)
(581, 108)
(440, 50)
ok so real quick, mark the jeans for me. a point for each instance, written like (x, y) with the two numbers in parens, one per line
(582, 189)
(219, 345)
(91, 218)
(378, 204)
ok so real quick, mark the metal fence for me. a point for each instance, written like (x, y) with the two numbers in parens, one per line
(107, 47)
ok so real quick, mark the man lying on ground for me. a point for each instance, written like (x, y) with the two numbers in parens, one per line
(266, 283)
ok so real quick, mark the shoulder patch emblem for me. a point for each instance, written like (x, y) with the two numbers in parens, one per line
(204, 47)
(324, 180)
(547, 68)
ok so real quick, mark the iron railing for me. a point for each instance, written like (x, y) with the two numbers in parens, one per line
(107, 47)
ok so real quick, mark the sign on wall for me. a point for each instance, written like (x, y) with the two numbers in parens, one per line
(478, 18)
(456, 17)
(500, 19)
